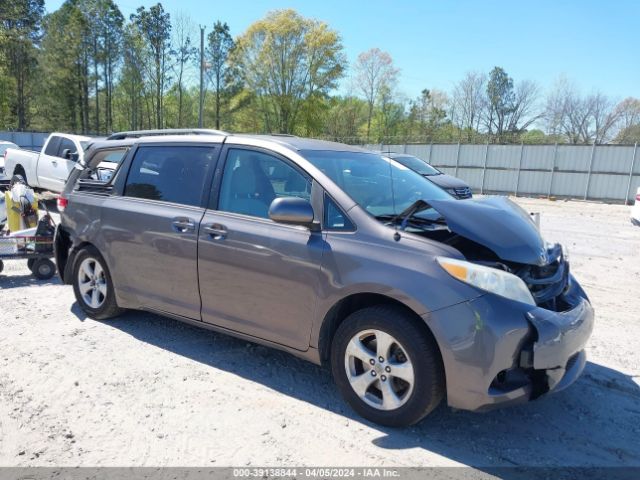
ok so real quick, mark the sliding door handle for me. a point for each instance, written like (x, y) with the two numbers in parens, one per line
(183, 225)
(215, 230)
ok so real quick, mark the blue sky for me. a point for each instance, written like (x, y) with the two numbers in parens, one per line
(594, 44)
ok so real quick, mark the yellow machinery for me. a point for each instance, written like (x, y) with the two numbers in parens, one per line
(16, 220)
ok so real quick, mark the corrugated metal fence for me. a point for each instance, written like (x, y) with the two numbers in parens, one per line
(28, 140)
(590, 172)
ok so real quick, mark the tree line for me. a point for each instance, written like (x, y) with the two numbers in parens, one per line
(85, 68)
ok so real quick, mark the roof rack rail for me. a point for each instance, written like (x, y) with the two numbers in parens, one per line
(167, 131)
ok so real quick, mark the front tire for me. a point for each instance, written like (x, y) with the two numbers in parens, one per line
(93, 287)
(387, 366)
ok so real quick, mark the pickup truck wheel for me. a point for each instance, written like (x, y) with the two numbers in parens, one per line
(19, 176)
(387, 366)
(1, 266)
(42, 268)
(93, 287)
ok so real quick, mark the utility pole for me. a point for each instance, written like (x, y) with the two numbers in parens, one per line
(202, 27)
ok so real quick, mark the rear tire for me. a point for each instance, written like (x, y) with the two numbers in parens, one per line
(1, 266)
(93, 286)
(387, 366)
(43, 268)
(18, 174)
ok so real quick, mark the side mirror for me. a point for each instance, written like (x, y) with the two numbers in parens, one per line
(69, 155)
(292, 211)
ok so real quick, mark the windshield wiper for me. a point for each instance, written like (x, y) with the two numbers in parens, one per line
(408, 216)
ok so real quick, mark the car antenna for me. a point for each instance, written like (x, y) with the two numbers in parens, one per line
(396, 235)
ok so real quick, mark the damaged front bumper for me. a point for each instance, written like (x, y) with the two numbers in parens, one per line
(498, 352)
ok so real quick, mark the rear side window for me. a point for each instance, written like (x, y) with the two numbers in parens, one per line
(52, 147)
(112, 159)
(169, 173)
(110, 156)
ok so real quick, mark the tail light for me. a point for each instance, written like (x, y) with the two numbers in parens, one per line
(62, 203)
(638, 197)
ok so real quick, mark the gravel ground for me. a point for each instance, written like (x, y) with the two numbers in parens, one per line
(148, 391)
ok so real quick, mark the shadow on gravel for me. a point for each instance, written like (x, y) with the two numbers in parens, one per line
(594, 423)
(8, 280)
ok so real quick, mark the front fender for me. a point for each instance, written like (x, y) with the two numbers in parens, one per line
(405, 271)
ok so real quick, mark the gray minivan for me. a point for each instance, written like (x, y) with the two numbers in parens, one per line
(335, 254)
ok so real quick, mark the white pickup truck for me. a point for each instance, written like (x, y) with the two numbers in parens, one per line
(50, 168)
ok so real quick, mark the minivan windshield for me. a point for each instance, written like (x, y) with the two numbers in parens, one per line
(378, 184)
(416, 164)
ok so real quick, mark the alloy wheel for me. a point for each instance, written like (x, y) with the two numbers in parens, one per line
(92, 283)
(379, 370)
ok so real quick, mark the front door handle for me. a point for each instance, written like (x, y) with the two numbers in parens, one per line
(216, 231)
(54, 163)
(183, 225)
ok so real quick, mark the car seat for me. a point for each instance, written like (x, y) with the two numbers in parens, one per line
(249, 192)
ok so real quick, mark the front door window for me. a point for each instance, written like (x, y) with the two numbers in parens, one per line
(252, 180)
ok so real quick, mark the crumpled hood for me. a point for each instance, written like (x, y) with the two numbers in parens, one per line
(496, 223)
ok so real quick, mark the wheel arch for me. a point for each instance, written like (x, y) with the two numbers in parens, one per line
(67, 272)
(352, 303)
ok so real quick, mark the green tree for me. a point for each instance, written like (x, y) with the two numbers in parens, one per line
(131, 95)
(387, 122)
(108, 40)
(184, 52)
(20, 33)
(429, 112)
(221, 73)
(64, 60)
(500, 98)
(104, 39)
(286, 60)
(510, 110)
(345, 117)
(154, 25)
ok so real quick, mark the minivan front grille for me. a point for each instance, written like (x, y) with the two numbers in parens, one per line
(546, 282)
(462, 192)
